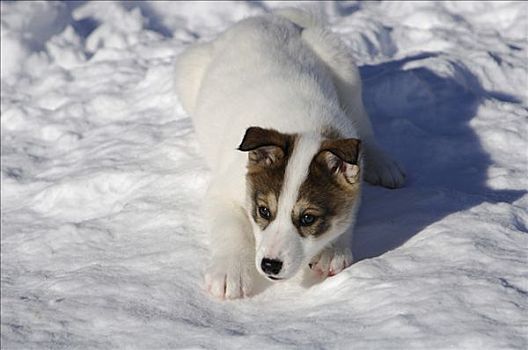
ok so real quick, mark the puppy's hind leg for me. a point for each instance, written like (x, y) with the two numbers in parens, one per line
(189, 71)
(380, 168)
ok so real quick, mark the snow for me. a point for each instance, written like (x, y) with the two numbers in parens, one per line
(103, 241)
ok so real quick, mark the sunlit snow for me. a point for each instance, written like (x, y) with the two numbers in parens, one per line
(103, 240)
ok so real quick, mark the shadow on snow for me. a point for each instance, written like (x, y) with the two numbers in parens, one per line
(423, 120)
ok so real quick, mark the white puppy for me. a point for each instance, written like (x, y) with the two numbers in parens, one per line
(276, 104)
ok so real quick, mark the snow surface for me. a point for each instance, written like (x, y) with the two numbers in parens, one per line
(103, 242)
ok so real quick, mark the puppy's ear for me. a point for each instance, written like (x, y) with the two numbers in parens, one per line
(266, 147)
(341, 159)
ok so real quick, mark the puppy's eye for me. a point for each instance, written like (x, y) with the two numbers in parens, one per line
(264, 213)
(307, 220)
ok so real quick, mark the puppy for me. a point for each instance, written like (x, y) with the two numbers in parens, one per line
(277, 108)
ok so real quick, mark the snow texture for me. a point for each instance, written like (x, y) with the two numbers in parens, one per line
(103, 242)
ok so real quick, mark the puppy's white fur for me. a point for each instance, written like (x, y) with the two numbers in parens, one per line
(286, 72)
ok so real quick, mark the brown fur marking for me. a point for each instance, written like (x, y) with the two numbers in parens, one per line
(269, 151)
(327, 193)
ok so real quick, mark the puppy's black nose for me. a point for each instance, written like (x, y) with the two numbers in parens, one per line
(271, 266)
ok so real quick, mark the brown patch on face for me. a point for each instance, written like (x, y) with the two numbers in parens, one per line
(269, 151)
(330, 189)
(264, 200)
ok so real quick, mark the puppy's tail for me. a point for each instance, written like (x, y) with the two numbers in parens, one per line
(302, 18)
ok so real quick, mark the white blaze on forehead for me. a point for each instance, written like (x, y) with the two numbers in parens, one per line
(305, 148)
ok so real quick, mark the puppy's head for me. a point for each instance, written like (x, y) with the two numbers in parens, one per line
(302, 191)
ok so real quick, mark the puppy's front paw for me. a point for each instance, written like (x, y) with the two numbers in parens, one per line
(331, 260)
(382, 170)
(231, 277)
